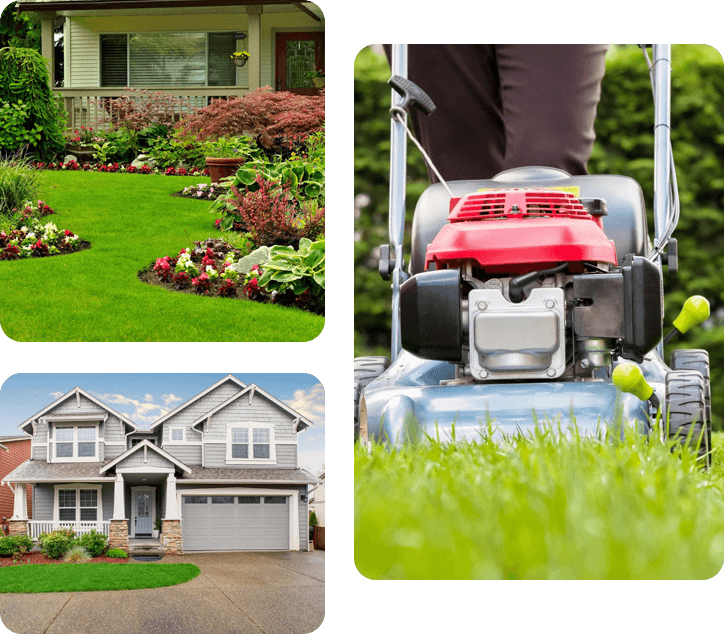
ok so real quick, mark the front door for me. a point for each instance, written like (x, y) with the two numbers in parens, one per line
(143, 505)
(298, 54)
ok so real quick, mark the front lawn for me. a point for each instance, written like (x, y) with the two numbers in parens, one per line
(95, 295)
(88, 577)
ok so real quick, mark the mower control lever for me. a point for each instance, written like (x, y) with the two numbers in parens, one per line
(628, 377)
(694, 312)
(412, 95)
(387, 263)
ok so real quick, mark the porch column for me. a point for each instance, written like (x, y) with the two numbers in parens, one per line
(20, 509)
(18, 524)
(118, 533)
(171, 504)
(119, 499)
(254, 13)
(47, 43)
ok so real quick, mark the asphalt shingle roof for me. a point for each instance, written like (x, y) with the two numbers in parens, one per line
(43, 470)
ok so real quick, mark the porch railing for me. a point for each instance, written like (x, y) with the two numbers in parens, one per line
(93, 107)
(36, 527)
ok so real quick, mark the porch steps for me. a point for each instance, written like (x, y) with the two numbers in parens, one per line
(145, 547)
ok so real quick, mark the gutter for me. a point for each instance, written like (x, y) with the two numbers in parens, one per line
(216, 481)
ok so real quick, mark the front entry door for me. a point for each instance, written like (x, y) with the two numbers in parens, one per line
(143, 505)
(297, 54)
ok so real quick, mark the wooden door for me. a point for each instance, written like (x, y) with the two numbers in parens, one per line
(297, 54)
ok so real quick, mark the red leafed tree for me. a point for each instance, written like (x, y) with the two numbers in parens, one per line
(269, 116)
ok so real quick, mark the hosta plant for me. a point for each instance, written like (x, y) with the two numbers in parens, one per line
(301, 272)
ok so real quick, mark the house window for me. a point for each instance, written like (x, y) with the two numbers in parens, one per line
(144, 60)
(75, 442)
(254, 442)
(240, 443)
(78, 505)
(176, 434)
(135, 441)
(261, 443)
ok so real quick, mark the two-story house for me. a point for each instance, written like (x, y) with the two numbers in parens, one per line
(219, 472)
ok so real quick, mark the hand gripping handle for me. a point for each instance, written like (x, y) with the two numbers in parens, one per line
(412, 95)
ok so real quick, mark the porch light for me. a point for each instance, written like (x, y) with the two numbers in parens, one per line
(239, 36)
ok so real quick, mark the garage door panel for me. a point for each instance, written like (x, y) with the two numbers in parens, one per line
(227, 523)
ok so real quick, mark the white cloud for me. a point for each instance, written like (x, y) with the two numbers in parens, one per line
(309, 403)
(169, 399)
(56, 394)
(148, 397)
(143, 412)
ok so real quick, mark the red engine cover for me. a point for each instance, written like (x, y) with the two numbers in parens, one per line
(519, 230)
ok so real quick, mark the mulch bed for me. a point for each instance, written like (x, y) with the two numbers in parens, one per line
(82, 246)
(40, 558)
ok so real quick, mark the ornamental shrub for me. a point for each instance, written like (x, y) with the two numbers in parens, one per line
(94, 542)
(117, 553)
(77, 555)
(57, 543)
(271, 117)
(15, 545)
(313, 521)
(14, 133)
(25, 77)
(141, 109)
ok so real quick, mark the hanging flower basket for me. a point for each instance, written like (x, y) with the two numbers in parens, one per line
(240, 57)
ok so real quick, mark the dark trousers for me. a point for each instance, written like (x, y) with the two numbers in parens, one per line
(501, 106)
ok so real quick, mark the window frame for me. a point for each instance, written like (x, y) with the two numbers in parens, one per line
(53, 454)
(78, 487)
(250, 426)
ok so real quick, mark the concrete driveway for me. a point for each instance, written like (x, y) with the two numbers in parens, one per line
(239, 593)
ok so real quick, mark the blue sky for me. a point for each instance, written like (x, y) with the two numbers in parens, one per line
(146, 397)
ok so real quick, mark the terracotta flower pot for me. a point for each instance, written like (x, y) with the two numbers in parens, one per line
(221, 167)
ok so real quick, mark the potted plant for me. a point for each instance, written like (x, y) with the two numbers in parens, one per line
(240, 57)
(157, 528)
(224, 156)
(317, 77)
(80, 144)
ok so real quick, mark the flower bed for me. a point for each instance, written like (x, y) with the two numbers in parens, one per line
(73, 166)
(40, 558)
(214, 268)
(34, 239)
(202, 191)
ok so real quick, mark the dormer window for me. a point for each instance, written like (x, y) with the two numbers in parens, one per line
(250, 443)
(75, 443)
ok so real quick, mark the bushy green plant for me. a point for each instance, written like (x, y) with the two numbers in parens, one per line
(313, 521)
(56, 543)
(76, 555)
(231, 147)
(14, 133)
(299, 271)
(117, 553)
(94, 542)
(24, 76)
(15, 545)
(173, 150)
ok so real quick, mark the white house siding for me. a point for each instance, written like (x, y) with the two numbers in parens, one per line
(151, 459)
(216, 457)
(84, 58)
(72, 406)
(190, 455)
(40, 453)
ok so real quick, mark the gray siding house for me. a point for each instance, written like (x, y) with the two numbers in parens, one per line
(218, 473)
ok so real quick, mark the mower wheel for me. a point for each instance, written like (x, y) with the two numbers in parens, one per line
(366, 370)
(686, 411)
(696, 360)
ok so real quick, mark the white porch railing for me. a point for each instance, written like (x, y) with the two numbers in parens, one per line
(93, 107)
(36, 527)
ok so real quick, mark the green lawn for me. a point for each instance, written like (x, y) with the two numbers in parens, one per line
(544, 509)
(94, 295)
(88, 577)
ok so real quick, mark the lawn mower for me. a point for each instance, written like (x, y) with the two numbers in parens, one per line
(532, 296)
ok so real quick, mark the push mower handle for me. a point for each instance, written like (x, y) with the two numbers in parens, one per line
(412, 95)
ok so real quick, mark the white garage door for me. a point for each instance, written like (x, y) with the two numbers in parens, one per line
(235, 522)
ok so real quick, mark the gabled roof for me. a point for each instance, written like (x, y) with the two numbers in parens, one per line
(228, 377)
(14, 438)
(74, 392)
(140, 445)
(251, 390)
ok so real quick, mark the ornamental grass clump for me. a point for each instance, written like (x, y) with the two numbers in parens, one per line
(18, 184)
(77, 555)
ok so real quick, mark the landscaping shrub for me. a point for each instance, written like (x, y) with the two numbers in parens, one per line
(141, 109)
(271, 216)
(24, 77)
(57, 543)
(14, 133)
(117, 553)
(300, 272)
(273, 118)
(94, 542)
(15, 545)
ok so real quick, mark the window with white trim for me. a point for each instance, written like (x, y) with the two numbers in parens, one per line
(252, 442)
(176, 434)
(75, 443)
(78, 505)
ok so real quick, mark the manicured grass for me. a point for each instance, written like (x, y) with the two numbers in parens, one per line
(87, 577)
(541, 508)
(95, 295)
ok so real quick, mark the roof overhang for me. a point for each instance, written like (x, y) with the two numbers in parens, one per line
(240, 481)
(95, 5)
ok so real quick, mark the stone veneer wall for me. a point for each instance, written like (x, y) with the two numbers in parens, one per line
(118, 537)
(171, 534)
(18, 527)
